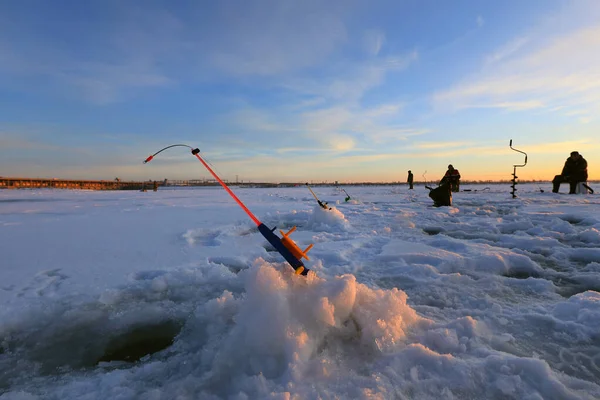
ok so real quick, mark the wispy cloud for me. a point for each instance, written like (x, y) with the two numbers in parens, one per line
(563, 147)
(10, 142)
(349, 81)
(285, 36)
(441, 145)
(339, 128)
(268, 43)
(507, 50)
(389, 109)
(328, 112)
(373, 41)
(511, 105)
(97, 68)
(562, 72)
(150, 46)
(104, 84)
(479, 21)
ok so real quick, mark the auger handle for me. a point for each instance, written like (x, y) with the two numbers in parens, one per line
(519, 151)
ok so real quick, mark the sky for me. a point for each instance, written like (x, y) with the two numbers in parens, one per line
(278, 90)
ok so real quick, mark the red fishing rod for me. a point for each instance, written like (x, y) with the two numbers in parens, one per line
(284, 245)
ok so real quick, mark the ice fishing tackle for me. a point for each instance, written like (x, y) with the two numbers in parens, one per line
(323, 204)
(347, 199)
(476, 190)
(293, 247)
(285, 245)
(514, 179)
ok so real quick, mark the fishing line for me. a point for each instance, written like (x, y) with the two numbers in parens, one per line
(288, 249)
(347, 196)
(323, 204)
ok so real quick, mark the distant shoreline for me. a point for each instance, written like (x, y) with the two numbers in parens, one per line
(40, 183)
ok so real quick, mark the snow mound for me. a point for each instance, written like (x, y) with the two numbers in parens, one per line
(590, 236)
(583, 309)
(328, 220)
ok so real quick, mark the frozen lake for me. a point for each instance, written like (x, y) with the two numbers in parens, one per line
(493, 298)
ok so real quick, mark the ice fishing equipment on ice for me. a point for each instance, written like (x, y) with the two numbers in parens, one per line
(323, 204)
(285, 245)
(441, 195)
(514, 179)
(590, 190)
(347, 199)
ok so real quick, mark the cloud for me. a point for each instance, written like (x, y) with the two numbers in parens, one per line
(309, 103)
(389, 109)
(507, 50)
(100, 66)
(271, 44)
(392, 134)
(338, 128)
(373, 41)
(134, 47)
(563, 147)
(326, 120)
(479, 21)
(98, 83)
(104, 84)
(10, 142)
(348, 81)
(328, 111)
(575, 112)
(368, 127)
(338, 142)
(441, 145)
(253, 119)
(561, 71)
(271, 37)
(511, 105)
(366, 158)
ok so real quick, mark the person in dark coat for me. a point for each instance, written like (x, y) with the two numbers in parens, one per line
(574, 171)
(452, 178)
(410, 179)
(441, 195)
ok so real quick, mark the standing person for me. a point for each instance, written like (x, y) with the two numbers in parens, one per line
(574, 171)
(410, 179)
(452, 178)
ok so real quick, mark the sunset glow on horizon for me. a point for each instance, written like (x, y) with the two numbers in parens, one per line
(347, 91)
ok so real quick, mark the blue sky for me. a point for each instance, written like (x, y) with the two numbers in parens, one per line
(298, 90)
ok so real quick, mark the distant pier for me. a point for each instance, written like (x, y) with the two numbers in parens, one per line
(36, 183)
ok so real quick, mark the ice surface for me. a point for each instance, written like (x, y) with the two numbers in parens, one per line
(176, 295)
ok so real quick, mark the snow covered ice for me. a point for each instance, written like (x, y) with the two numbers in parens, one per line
(492, 298)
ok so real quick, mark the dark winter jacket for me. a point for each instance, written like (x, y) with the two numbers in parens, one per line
(451, 176)
(575, 170)
(410, 178)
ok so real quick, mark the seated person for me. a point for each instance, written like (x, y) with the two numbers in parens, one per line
(574, 171)
(452, 178)
(441, 195)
